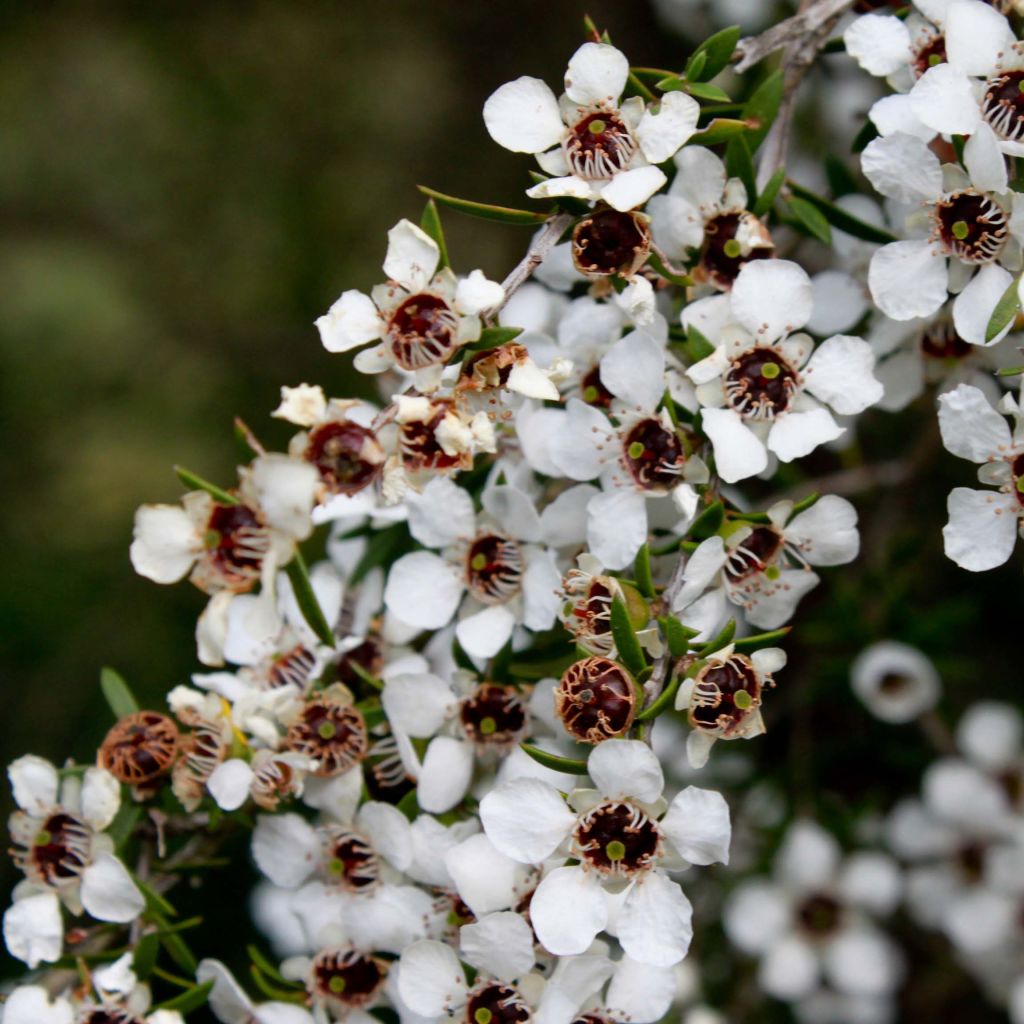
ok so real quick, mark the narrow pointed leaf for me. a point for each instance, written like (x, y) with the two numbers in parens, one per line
(762, 107)
(188, 1001)
(196, 483)
(642, 571)
(631, 654)
(486, 211)
(307, 601)
(1006, 310)
(492, 337)
(704, 91)
(724, 637)
(559, 764)
(839, 218)
(707, 523)
(740, 164)
(431, 224)
(811, 218)
(766, 199)
(117, 693)
(721, 129)
(144, 957)
(697, 346)
(695, 65)
(717, 51)
(677, 636)
(805, 503)
(752, 643)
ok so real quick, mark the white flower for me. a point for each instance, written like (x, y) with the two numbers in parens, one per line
(616, 834)
(596, 147)
(756, 393)
(895, 681)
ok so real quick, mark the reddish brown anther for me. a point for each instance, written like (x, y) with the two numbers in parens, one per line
(346, 979)
(494, 568)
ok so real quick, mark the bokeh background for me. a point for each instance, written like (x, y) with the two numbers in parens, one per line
(184, 187)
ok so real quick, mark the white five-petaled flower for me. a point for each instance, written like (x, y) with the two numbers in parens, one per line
(762, 390)
(421, 316)
(624, 837)
(896, 682)
(983, 525)
(597, 147)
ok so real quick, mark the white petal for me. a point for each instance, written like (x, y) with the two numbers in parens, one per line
(33, 929)
(569, 185)
(476, 293)
(423, 590)
(739, 452)
(970, 427)
(389, 833)
(596, 74)
(30, 1004)
(412, 256)
(879, 43)
(701, 178)
(636, 300)
(117, 977)
(500, 945)
(530, 380)
(353, 320)
(484, 877)
(974, 306)
(616, 526)
(641, 993)
(285, 488)
(626, 768)
(655, 924)
(701, 568)
(441, 513)
(698, 748)
(573, 440)
(304, 405)
(809, 856)
(564, 520)
(902, 167)
(893, 114)
(541, 590)
(568, 909)
(990, 734)
(229, 784)
(839, 302)
(514, 511)
(629, 189)
(943, 99)
(34, 782)
(633, 369)
(789, 970)
(336, 796)
(918, 683)
(285, 848)
(798, 433)
(872, 880)
(108, 892)
(982, 528)
(660, 135)
(976, 37)
(984, 160)
(826, 533)
(839, 373)
(446, 774)
(523, 116)
(756, 915)
(431, 979)
(908, 279)
(418, 705)
(771, 298)
(525, 819)
(861, 962)
(165, 544)
(484, 633)
(697, 825)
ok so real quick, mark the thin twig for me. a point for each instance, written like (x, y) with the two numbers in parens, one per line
(547, 238)
(755, 48)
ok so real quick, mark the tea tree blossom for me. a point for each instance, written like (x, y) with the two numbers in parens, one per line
(896, 682)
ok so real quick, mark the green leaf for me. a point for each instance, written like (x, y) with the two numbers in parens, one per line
(461, 658)
(307, 601)
(811, 218)
(638, 88)
(117, 693)
(656, 264)
(721, 129)
(177, 949)
(707, 523)
(677, 636)
(492, 337)
(1005, 312)
(840, 178)
(697, 346)
(762, 107)
(695, 65)
(264, 964)
(188, 1001)
(717, 51)
(156, 905)
(284, 995)
(662, 702)
(723, 638)
(144, 957)
(631, 654)
(739, 164)
(529, 671)
(839, 218)
(805, 503)
(431, 224)
(642, 572)
(408, 805)
(703, 91)
(559, 764)
(486, 211)
(367, 677)
(500, 663)
(766, 200)
(123, 825)
(194, 482)
(752, 643)
(1010, 371)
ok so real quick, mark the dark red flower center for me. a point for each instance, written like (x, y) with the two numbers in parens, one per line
(653, 455)
(494, 715)
(60, 850)
(423, 332)
(754, 554)
(599, 146)
(595, 699)
(760, 384)
(493, 1003)
(617, 838)
(349, 860)
(820, 915)
(347, 455)
(494, 568)
(721, 254)
(725, 694)
(971, 226)
(235, 544)
(332, 733)
(1003, 105)
(346, 977)
(610, 242)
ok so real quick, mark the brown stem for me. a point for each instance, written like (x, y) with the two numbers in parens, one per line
(547, 238)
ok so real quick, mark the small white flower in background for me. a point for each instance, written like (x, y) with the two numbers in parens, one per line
(723, 700)
(60, 845)
(765, 389)
(596, 147)
(814, 920)
(983, 525)
(421, 316)
(625, 839)
(895, 681)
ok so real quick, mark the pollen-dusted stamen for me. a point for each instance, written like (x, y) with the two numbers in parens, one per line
(653, 455)
(971, 226)
(930, 53)
(587, 612)
(494, 568)
(595, 700)
(722, 254)
(819, 915)
(593, 391)
(753, 554)
(423, 332)
(494, 716)
(609, 242)
(941, 341)
(599, 146)
(760, 384)
(348, 456)
(292, 668)
(346, 978)
(57, 852)
(1003, 105)
(140, 747)
(349, 860)
(617, 838)
(235, 543)
(725, 694)
(331, 731)
(420, 447)
(494, 1003)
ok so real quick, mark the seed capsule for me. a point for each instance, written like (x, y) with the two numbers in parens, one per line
(331, 730)
(596, 700)
(140, 747)
(609, 242)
